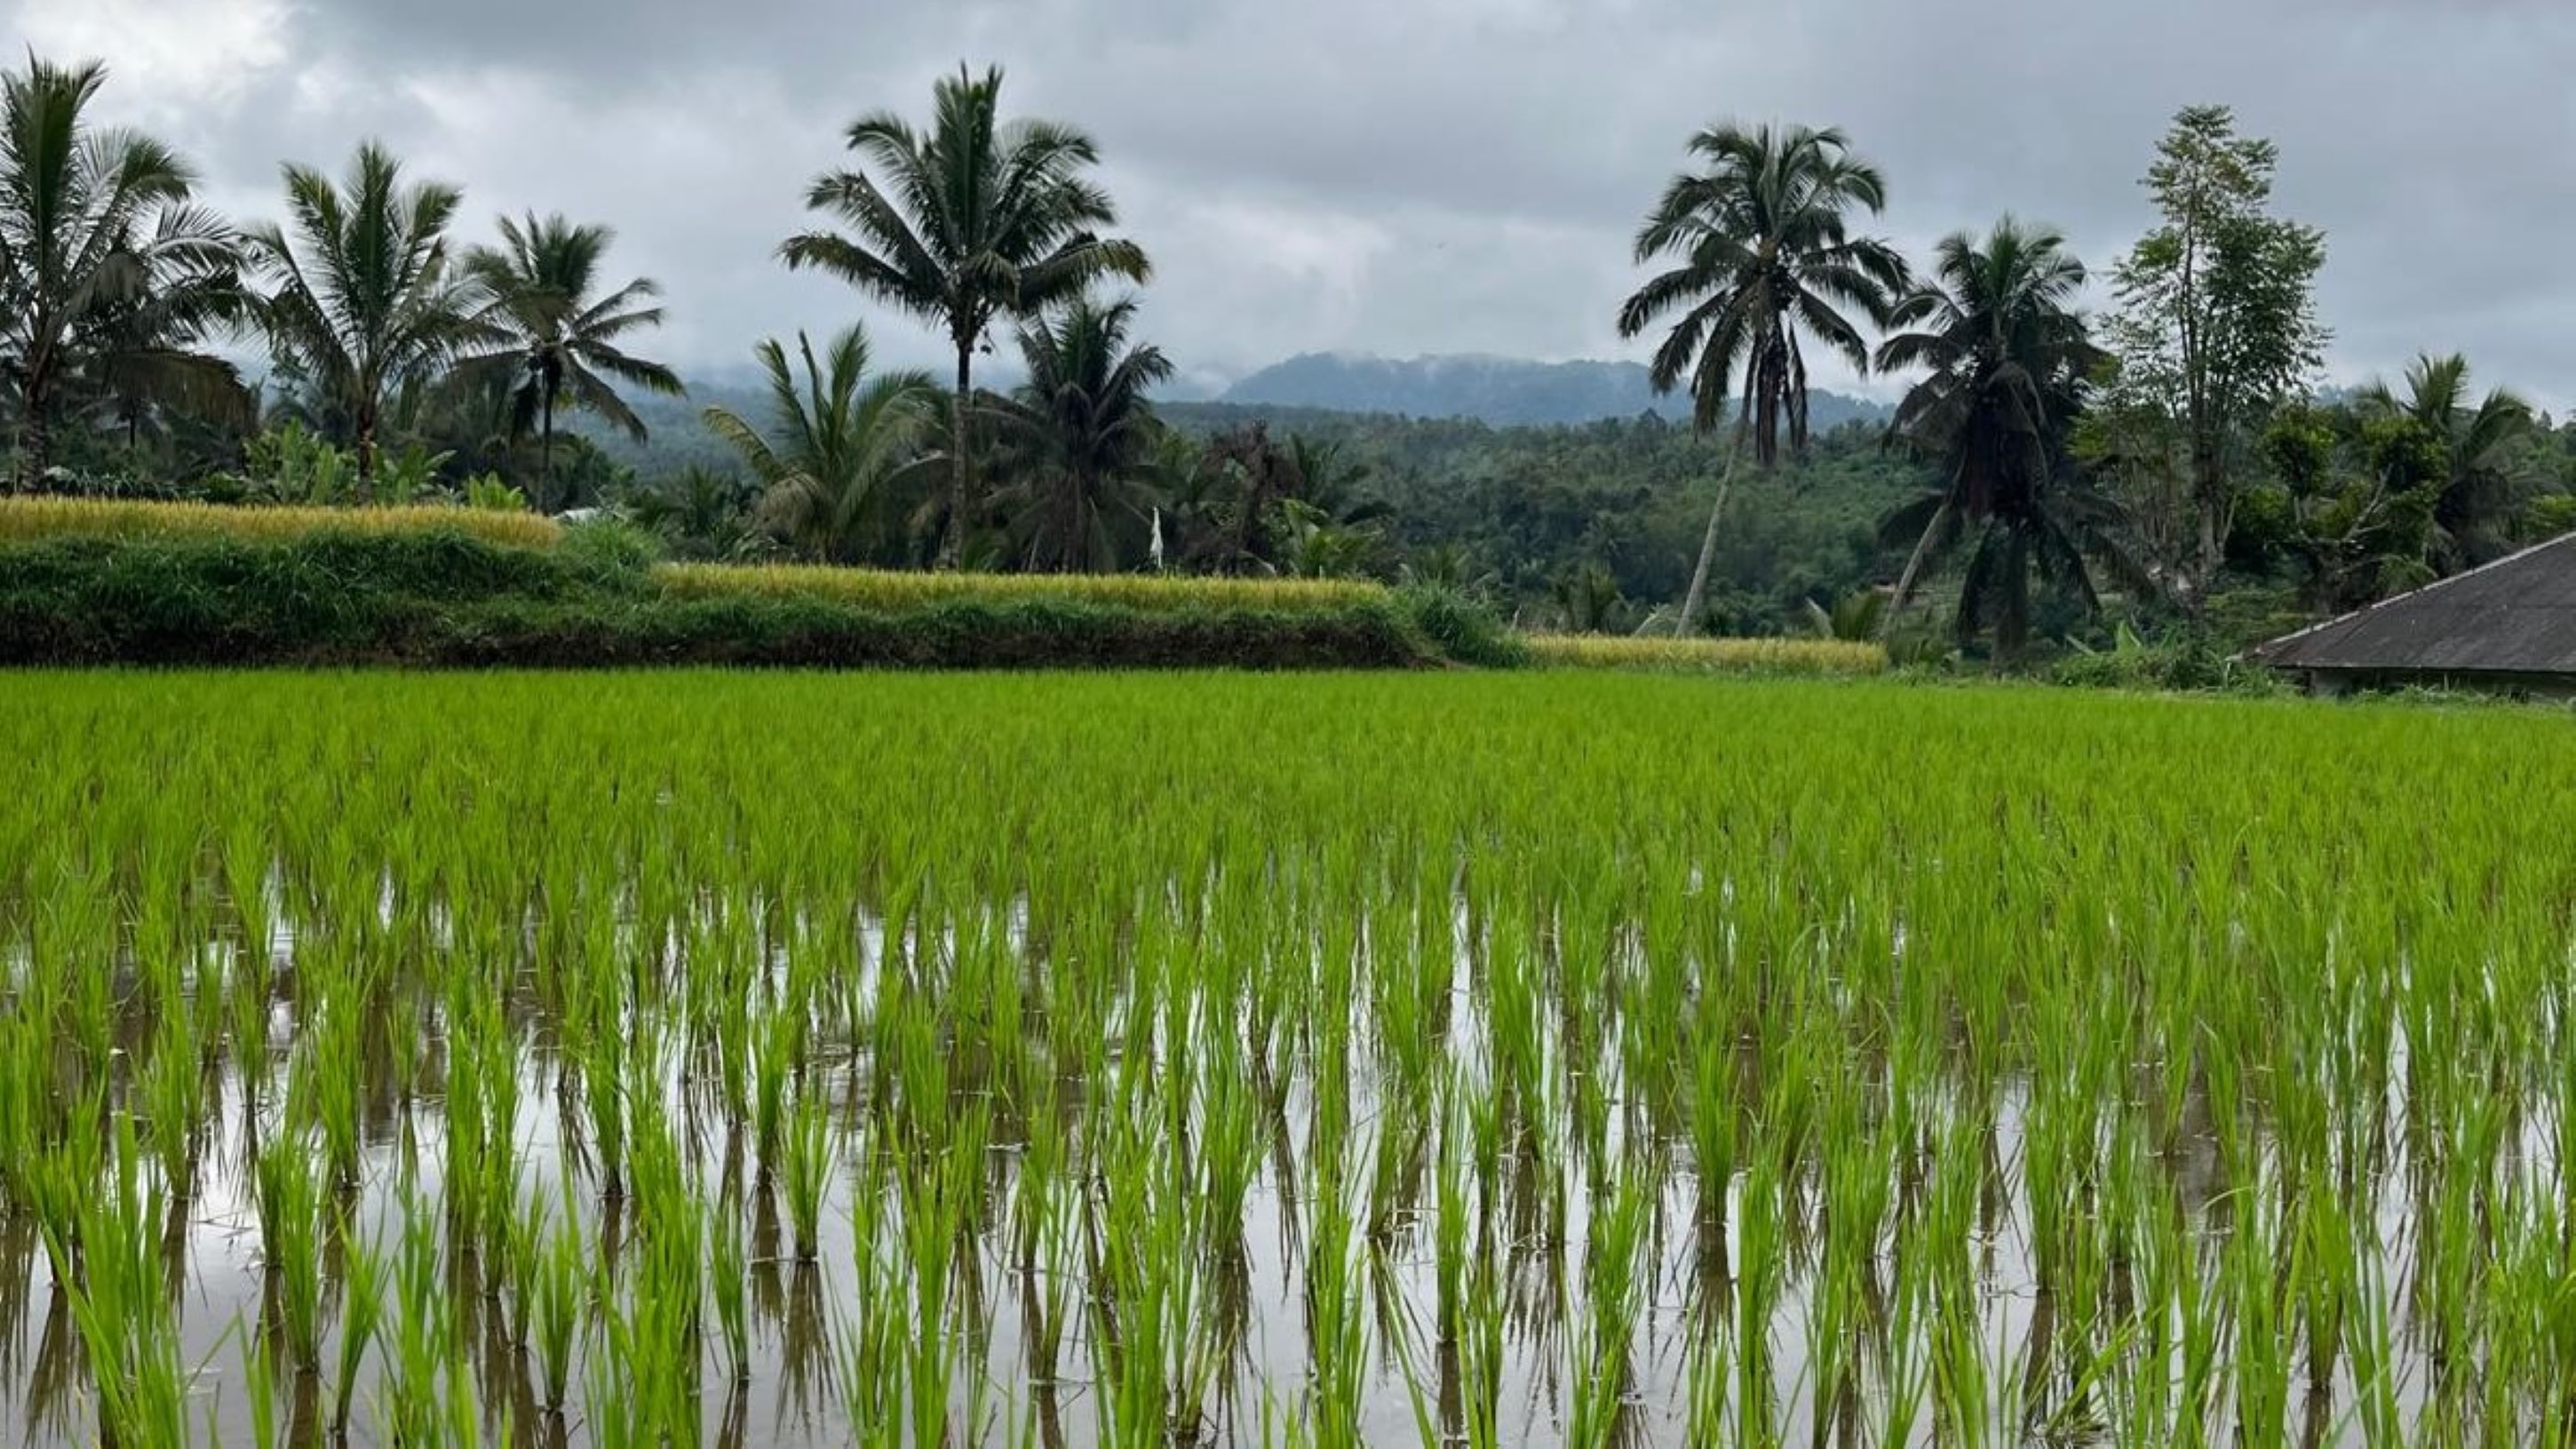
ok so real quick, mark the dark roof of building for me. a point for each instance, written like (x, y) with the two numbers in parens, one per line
(2514, 616)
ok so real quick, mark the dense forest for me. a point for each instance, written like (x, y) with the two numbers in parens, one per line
(2169, 466)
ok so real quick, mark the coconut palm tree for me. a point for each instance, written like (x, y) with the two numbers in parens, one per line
(972, 221)
(90, 219)
(1078, 439)
(141, 358)
(2006, 358)
(366, 300)
(1760, 262)
(561, 339)
(842, 449)
(2481, 489)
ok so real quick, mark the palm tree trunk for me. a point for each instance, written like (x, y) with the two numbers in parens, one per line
(35, 443)
(952, 546)
(1914, 562)
(367, 454)
(1698, 593)
(546, 464)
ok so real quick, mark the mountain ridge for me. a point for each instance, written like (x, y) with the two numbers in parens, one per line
(1502, 391)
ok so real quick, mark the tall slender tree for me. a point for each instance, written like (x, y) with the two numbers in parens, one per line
(366, 299)
(972, 221)
(91, 220)
(1078, 438)
(2007, 362)
(1759, 261)
(2216, 327)
(842, 450)
(560, 338)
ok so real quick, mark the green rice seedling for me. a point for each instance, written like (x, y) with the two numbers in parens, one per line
(1760, 1273)
(260, 1374)
(362, 1305)
(561, 1285)
(292, 1220)
(173, 1092)
(779, 1042)
(412, 1403)
(728, 1283)
(805, 1166)
(1337, 1322)
(127, 1325)
(60, 1178)
(1602, 1375)
(325, 1088)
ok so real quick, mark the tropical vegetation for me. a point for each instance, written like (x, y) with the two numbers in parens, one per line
(968, 222)
(2050, 484)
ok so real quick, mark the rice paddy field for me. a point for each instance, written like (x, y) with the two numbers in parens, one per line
(1443, 1060)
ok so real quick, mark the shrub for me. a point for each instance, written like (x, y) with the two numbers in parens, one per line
(1461, 628)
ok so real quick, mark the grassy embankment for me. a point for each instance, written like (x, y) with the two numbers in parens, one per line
(97, 582)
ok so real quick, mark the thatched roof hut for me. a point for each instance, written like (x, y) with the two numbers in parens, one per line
(2508, 625)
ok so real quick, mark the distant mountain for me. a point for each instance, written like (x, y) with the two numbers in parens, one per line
(1503, 391)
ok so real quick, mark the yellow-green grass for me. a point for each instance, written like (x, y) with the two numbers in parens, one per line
(892, 591)
(1714, 656)
(27, 520)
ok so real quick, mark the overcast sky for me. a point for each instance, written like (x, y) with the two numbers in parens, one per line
(1410, 176)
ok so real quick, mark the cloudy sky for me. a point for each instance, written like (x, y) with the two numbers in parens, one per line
(1411, 176)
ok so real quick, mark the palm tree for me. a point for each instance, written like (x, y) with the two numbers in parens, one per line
(1761, 257)
(90, 219)
(972, 221)
(699, 512)
(841, 449)
(561, 341)
(2481, 488)
(1080, 439)
(2008, 362)
(140, 352)
(366, 302)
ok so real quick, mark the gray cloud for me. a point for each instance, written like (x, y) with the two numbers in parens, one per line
(1409, 176)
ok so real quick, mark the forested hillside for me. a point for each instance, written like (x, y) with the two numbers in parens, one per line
(1524, 511)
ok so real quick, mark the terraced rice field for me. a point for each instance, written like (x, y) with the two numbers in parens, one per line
(1445, 1060)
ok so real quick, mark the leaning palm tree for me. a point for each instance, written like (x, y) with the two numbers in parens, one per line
(560, 341)
(1761, 263)
(842, 451)
(973, 220)
(2007, 359)
(2482, 489)
(90, 219)
(366, 302)
(1079, 440)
